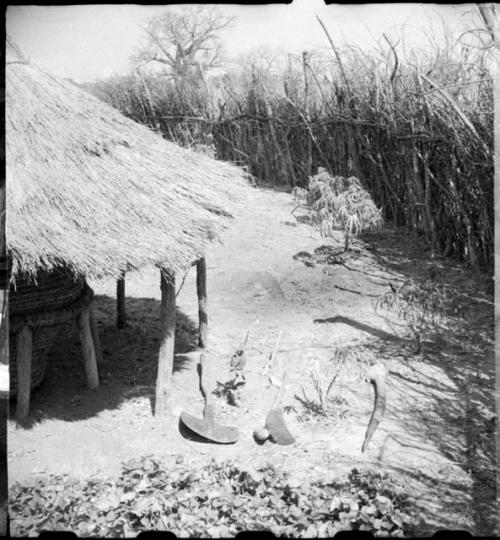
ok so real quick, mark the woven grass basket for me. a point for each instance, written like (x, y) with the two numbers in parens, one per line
(42, 303)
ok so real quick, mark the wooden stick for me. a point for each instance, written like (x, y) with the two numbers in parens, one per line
(88, 350)
(341, 65)
(95, 335)
(4, 345)
(459, 112)
(4, 367)
(275, 351)
(281, 390)
(201, 287)
(121, 315)
(167, 343)
(272, 358)
(243, 345)
(24, 346)
(306, 110)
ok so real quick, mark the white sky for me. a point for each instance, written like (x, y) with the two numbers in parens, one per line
(91, 41)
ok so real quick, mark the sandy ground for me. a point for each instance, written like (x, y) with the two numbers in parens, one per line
(436, 437)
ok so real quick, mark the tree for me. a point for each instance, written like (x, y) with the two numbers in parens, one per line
(184, 42)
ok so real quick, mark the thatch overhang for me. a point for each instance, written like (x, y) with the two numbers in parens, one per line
(92, 190)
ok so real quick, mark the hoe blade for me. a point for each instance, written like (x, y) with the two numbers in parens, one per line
(275, 424)
(208, 429)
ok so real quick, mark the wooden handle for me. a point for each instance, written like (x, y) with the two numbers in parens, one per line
(243, 345)
(279, 395)
(241, 351)
(201, 288)
(275, 351)
(203, 388)
(272, 358)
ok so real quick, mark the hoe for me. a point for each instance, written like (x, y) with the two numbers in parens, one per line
(206, 427)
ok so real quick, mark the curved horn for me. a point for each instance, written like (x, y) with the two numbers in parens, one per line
(377, 375)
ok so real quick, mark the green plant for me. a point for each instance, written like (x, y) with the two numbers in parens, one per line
(230, 389)
(383, 506)
(299, 194)
(342, 202)
(321, 402)
(351, 359)
(313, 408)
(420, 305)
(215, 500)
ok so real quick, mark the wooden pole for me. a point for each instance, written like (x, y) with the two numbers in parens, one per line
(4, 355)
(4, 406)
(4, 294)
(24, 348)
(201, 287)
(4, 347)
(306, 109)
(489, 14)
(167, 343)
(88, 351)
(95, 335)
(121, 315)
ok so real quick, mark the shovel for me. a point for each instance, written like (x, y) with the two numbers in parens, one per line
(206, 427)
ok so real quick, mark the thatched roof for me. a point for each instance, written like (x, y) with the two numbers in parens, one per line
(93, 190)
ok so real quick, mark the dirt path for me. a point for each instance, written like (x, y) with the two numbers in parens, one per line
(434, 437)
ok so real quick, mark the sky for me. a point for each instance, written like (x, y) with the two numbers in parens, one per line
(87, 42)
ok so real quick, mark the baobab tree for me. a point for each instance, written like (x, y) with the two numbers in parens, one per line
(181, 43)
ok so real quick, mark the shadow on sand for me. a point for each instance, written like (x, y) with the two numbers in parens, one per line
(454, 375)
(462, 350)
(129, 363)
(376, 332)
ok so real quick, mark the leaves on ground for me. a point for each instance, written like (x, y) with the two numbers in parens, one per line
(218, 500)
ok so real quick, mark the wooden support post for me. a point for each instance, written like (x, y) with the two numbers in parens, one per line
(201, 287)
(95, 335)
(4, 365)
(121, 316)
(4, 346)
(167, 343)
(88, 351)
(24, 348)
(4, 409)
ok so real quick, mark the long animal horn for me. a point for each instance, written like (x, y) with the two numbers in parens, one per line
(377, 375)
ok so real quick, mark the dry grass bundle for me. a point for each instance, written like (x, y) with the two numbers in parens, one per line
(93, 189)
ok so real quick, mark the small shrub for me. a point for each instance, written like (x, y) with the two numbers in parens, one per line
(322, 402)
(230, 389)
(342, 202)
(420, 305)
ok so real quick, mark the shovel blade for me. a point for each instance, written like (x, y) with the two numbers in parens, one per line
(208, 429)
(275, 424)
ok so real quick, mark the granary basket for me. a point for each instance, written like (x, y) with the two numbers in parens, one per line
(47, 292)
(45, 304)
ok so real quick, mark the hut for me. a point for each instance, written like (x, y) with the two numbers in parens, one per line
(92, 194)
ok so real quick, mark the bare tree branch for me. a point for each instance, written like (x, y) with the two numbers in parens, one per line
(341, 65)
(396, 61)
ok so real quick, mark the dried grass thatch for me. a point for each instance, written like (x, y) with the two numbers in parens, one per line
(92, 190)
